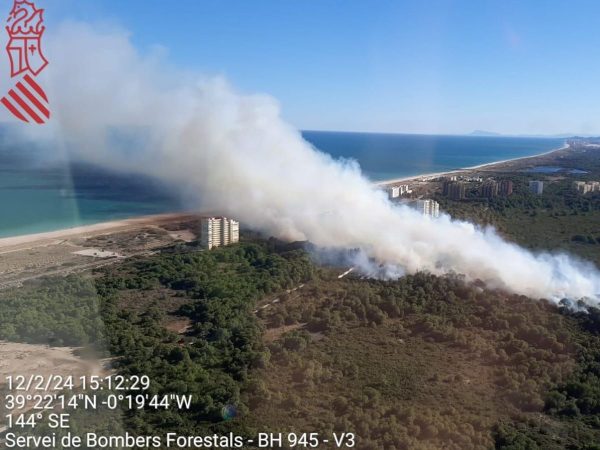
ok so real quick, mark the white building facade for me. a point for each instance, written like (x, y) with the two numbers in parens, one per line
(428, 207)
(587, 186)
(536, 186)
(218, 231)
(398, 191)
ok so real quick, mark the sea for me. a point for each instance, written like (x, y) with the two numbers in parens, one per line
(388, 156)
(38, 195)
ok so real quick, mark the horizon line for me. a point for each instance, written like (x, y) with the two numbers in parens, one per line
(471, 134)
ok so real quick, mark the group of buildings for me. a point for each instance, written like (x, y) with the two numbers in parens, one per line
(579, 143)
(583, 187)
(427, 207)
(457, 190)
(399, 191)
(218, 231)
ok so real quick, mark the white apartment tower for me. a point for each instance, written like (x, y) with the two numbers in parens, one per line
(536, 186)
(587, 186)
(217, 231)
(428, 207)
(397, 191)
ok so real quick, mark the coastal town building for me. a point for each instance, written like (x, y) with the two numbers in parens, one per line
(446, 185)
(397, 191)
(218, 231)
(489, 189)
(455, 190)
(584, 187)
(471, 179)
(536, 187)
(583, 143)
(405, 189)
(428, 207)
(506, 187)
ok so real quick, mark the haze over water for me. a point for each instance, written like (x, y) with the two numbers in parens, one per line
(37, 197)
(388, 156)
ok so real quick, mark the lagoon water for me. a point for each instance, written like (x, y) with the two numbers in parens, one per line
(37, 196)
(556, 169)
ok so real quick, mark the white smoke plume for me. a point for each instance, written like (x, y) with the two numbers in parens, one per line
(234, 154)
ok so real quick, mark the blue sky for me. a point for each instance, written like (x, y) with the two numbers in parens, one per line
(412, 66)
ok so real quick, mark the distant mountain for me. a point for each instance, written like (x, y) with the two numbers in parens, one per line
(483, 133)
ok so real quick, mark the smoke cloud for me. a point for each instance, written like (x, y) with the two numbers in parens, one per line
(234, 154)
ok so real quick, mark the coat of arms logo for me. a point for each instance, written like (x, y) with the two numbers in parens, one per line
(27, 100)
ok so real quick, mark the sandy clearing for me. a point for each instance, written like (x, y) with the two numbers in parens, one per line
(47, 363)
(97, 253)
(24, 258)
(28, 359)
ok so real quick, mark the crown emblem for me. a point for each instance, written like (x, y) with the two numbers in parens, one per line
(25, 26)
(25, 20)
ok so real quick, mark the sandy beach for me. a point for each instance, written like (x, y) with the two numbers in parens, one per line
(17, 242)
(491, 165)
(62, 252)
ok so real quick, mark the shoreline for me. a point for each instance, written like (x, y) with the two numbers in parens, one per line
(153, 219)
(94, 228)
(465, 169)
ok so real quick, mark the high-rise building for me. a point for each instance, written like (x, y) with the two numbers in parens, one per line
(446, 187)
(428, 207)
(536, 187)
(506, 187)
(584, 187)
(446, 182)
(455, 190)
(217, 231)
(489, 189)
(397, 191)
(405, 189)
